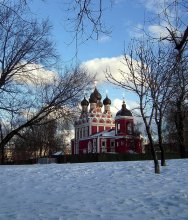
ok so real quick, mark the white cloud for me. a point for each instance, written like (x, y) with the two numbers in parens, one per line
(35, 74)
(99, 66)
(103, 39)
(116, 1)
(117, 105)
(137, 31)
(158, 31)
(116, 66)
(155, 6)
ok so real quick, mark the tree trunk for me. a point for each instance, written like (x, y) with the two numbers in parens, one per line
(179, 118)
(153, 152)
(163, 162)
(2, 148)
(2, 155)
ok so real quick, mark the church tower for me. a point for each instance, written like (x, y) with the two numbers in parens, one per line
(84, 104)
(124, 121)
(96, 131)
(107, 103)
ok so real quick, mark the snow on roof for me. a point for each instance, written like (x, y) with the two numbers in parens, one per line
(58, 153)
(108, 133)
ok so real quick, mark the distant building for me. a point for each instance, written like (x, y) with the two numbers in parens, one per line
(99, 132)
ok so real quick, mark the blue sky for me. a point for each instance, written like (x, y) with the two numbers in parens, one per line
(125, 19)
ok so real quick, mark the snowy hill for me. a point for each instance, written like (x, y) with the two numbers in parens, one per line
(118, 190)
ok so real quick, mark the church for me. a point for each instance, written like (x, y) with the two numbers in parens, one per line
(96, 131)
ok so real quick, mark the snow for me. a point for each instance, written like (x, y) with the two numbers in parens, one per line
(92, 191)
(58, 153)
(106, 133)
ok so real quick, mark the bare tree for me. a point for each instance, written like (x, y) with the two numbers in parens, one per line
(23, 42)
(174, 15)
(178, 101)
(135, 79)
(37, 141)
(160, 82)
(57, 100)
(85, 20)
(172, 18)
(86, 14)
(28, 93)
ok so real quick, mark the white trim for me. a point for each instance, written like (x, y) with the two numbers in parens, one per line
(98, 144)
(89, 128)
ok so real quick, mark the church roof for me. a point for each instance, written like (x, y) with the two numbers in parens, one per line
(124, 111)
(95, 96)
(84, 102)
(107, 101)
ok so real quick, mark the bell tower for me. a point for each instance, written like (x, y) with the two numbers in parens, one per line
(124, 121)
(84, 104)
(107, 103)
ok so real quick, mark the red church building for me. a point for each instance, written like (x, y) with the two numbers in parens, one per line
(99, 132)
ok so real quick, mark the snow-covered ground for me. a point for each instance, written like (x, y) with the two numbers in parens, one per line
(118, 190)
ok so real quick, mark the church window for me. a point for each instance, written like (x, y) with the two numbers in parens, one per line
(84, 132)
(112, 146)
(94, 146)
(95, 120)
(129, 128)
(117, 128)
(80, 133)
(89, 147)
(77, 133)
(103, 150)
(87, 131)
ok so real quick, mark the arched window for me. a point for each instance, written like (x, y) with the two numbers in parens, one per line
(101, 121)
(77, 133)
(95, 120)
(80, 132)
(129, 128)
(84, 132)
(112, 146)
(89, 147)
(94, 146)
(117, 128)
(103, 147)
